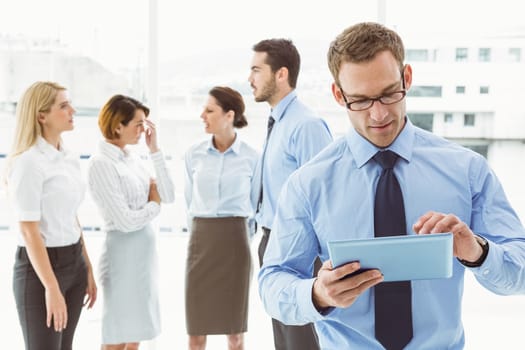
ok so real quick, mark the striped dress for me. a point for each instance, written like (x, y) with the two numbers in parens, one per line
(119, 185)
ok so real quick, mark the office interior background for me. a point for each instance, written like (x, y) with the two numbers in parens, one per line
(468, 59)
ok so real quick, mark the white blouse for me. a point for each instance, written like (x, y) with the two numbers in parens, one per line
(45, 185)
(119, 185)
(219, 184)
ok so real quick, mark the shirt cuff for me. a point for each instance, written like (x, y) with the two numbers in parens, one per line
(305, 303)
(157, 156)
(153, 207)
(492, 263)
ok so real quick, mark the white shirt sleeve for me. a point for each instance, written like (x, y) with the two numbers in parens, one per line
(25, 188)
(164, 182)
(107, 191)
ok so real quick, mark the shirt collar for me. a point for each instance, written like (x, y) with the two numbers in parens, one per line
(235, 147)
(112, 152)
(363, 150)
(49, 150)
(278, 111)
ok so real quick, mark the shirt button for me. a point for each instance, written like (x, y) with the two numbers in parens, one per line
(486, 272)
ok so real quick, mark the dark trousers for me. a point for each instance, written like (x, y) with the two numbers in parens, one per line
(290, 337)
(70, 270)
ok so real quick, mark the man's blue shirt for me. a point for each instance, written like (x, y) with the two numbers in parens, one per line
(298, 134)
(332, 198)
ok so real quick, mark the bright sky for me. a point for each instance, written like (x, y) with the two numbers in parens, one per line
(115, 31)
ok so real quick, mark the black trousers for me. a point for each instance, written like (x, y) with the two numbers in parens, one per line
(70, 270)
(287, 337)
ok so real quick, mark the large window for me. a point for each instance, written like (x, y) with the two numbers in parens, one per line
(171, 57)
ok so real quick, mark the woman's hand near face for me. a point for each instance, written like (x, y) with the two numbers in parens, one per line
(151, 136)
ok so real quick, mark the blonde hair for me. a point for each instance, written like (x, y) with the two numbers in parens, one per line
(38, 98)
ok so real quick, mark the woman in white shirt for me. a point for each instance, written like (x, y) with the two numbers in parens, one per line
(128, 200)
(52, 273)
(219, 173)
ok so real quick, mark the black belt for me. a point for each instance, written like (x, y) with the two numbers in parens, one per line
(61, 254)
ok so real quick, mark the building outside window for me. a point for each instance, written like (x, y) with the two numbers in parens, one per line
(460, 89)
(483, 90)
(449, 118)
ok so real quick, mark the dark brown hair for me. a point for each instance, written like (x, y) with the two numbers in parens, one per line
(230, 100)
(281, 53)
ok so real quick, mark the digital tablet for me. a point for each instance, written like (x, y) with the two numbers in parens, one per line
(399, 258)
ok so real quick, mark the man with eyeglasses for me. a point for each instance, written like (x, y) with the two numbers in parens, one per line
(445, 188)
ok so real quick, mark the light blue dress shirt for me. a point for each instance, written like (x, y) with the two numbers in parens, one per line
(297, 135)
(219, 184)
(332, 198)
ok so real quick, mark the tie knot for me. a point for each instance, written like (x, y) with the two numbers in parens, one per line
(270, 122)
(387, 159)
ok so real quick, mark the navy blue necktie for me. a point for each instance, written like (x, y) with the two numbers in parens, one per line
(393, 300)
(269, 128)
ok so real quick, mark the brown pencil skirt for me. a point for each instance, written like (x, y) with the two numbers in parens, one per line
(218, 273)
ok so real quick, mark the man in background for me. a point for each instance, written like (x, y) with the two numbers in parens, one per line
(295, 134)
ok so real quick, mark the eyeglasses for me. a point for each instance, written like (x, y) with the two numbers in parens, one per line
(385, 99)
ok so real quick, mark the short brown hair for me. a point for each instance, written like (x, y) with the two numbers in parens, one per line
(281, 53)
(361, 43)
(230, 100)
(119, 109)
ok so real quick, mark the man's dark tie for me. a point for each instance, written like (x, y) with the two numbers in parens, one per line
(393, 300)
(269, 128)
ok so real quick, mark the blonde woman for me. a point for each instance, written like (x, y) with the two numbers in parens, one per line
(128, 199)
(52, 276)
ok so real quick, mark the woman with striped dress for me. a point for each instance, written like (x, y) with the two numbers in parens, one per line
(128, 200)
